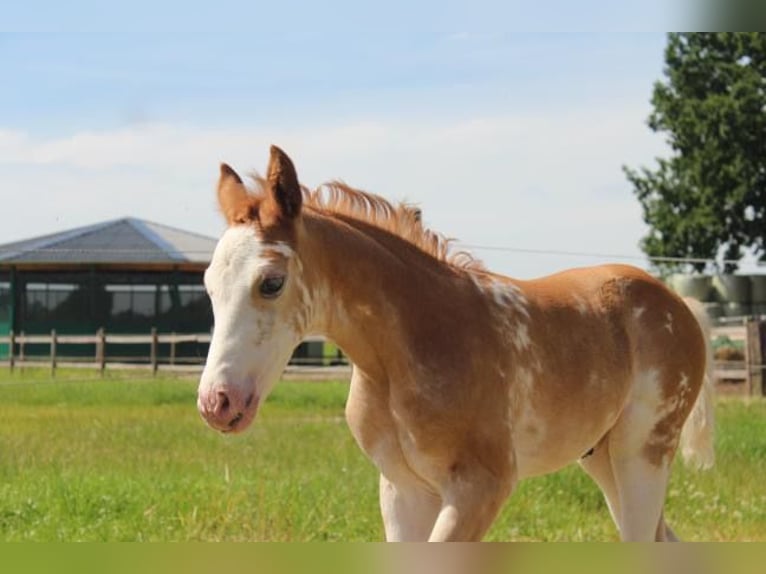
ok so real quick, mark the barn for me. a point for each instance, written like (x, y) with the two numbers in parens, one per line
(126, 276)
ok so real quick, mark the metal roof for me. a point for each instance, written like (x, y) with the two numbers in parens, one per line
(121, 241)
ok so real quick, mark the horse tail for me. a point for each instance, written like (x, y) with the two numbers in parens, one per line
(697, 447)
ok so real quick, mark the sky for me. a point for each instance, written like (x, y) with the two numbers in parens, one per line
(510, 141)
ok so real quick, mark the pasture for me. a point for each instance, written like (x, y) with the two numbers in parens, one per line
(128, 459)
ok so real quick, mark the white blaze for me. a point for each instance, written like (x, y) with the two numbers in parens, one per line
(251, 344)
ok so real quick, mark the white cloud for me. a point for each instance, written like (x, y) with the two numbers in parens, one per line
(541, 182)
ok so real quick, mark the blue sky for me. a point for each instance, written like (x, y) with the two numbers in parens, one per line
(504, 138)
(71, 81)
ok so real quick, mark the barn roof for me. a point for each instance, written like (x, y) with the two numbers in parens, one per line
(121, 241)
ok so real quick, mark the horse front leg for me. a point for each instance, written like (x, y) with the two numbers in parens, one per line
(471, 500)
(409, 510)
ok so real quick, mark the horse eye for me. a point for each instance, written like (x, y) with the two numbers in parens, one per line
(271, 286)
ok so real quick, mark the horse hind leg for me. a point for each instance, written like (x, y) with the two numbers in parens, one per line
(664, 532)
(598, 465)
(641, 446)
(641, 487)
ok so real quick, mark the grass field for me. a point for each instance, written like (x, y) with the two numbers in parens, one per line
(130, 460)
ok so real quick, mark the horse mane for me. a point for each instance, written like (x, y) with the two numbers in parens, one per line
(402, 219)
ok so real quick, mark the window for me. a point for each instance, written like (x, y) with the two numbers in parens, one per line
(192, 295)
(144, 297)
(5, 302)
(44, 301)
(58, 295)
(132, 300)
(166, 299)
(181, 297)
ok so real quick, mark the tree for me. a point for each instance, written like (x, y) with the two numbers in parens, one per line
(708, 199)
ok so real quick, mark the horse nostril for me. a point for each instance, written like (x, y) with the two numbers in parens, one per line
(223, 403)
(233, 422)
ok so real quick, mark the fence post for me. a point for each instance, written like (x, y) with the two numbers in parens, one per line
(53, 352)
(762, 361)
(755, 356)
(11, 349)
(172, 348)
(22, 358)
(101, 350)
(153, 351)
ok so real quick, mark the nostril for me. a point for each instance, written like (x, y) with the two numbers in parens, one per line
(233, 422)
(222, 403)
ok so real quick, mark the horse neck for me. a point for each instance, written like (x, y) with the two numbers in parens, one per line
(370, 290)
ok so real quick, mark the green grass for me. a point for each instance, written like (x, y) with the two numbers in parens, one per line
(124, 460)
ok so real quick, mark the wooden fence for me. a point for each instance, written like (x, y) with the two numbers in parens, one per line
(751, 334)
(56, 343)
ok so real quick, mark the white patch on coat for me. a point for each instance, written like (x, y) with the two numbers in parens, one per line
(514, 311)
(520, 336)
(518, 300)
(250, 346)
(506, 295)
(280, 247)
(499, 294)
(684, 384)
(306, 311)
(581, 305)
(680, 400)
(647, 406)
(641, 412)
(669, 322)
(318, 301)
(525, 381)
(638, 311)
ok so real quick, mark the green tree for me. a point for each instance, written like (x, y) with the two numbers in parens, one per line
(708, 199)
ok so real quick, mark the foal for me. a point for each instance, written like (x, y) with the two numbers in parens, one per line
(464, 381)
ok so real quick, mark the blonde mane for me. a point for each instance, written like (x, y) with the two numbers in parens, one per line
(403, 219)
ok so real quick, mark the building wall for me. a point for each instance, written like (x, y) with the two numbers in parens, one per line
(123, 302)
(6, 309)
(83, 301)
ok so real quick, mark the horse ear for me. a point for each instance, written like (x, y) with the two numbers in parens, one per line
(284, 192)
(233, 199)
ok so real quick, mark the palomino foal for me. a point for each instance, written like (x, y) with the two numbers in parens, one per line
(464, 381)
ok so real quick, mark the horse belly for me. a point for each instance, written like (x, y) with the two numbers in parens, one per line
(548, 437)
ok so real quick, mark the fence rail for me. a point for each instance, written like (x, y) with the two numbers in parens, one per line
(165, 338)
(100, 359)
(751, 334)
